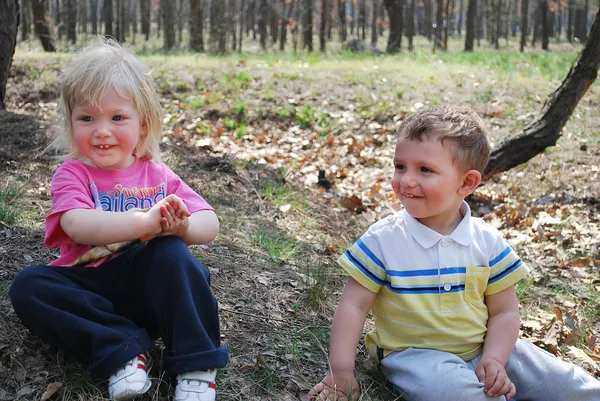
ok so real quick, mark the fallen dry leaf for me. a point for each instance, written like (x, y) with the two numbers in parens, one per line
(52, 389)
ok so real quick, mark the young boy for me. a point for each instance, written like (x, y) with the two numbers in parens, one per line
(441, 285)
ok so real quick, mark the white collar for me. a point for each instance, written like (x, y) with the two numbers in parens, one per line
(426, 237)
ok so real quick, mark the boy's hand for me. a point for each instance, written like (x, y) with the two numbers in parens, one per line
(497, 383)
(342, 387)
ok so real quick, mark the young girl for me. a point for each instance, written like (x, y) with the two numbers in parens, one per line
(125, 275)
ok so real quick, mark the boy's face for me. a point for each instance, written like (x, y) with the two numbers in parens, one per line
(428, 182)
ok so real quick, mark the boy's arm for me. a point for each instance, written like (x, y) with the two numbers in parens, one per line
(346, 331)
(500, 339)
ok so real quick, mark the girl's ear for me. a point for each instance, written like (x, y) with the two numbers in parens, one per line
(143, 129)
(470, 182)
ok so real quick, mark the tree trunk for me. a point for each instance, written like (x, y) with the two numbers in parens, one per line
(72, 21)
(544, 22)
(394, 10)
(94, 16)
(547, 129)
(470, 36)
(461, 5)
(145, 18)
(498, 12)
(42, 30)
(524, 21)
(323, 27)
(168, 14)
(428, 22)
(307, 27)
(342, 17)
(374, 23)
(275, 14)
(262, 24)
(287, 14)
(437, 44)
(108, 17)
(25, 19)
(446, 23)
(242, 19)
(9, 24)
(218, 30)
(570, 19)
(362, 19)
(581, 23)
(196, 24)
(411, 25)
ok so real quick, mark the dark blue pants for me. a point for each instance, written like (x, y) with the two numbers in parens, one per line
(112, 313)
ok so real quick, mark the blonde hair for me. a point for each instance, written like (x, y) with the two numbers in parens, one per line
(470, 144)
(91, 75)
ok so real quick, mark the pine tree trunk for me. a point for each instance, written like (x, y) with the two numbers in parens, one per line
(168, 14)
(25, 19)
(342, 17)
(323, 27)
(411, 25)
(428, 18)
(42, 30)
(94, 15)
(461, 6)
(307, 27)
(547, 129)
(470, 36)
(242, 19)
(544, 22)
(108, 18)
(9, 24)
(362, 19)
(374, 23)
(524, 21)
(262, 24)
(287, 14)
(145, 17)
(394, 11)
(196, 24)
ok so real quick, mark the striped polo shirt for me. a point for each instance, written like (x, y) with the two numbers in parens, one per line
(431, 287)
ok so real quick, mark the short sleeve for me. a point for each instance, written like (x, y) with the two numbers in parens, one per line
(362, 261)
(506, 268)
(176, 186)
(69, 190)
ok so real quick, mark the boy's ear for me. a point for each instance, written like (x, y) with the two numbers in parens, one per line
(470, 182)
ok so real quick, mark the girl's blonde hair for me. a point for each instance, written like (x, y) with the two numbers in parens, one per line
(91, 75)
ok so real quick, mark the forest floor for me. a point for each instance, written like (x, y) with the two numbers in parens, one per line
(250, 133)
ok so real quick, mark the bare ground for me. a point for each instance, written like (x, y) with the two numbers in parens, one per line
(273, 265)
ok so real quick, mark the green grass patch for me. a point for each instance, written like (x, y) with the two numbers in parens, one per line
(317, 276)
(275, 243)
(9, 195)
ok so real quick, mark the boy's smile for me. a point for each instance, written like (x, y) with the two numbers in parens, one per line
(429, 182)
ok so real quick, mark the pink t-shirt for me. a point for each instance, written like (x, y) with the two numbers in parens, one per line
(76, 185)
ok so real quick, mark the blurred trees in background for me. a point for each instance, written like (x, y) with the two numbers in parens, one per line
(184, 24)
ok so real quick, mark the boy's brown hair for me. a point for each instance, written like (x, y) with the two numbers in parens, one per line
(470, 144)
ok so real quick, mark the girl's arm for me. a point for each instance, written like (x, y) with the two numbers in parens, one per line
(202, 227)
(98, 227)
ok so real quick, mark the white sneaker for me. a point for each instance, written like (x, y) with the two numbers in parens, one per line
(131, 380)
(196, 386)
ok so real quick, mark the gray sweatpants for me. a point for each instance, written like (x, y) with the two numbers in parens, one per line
(429, 375)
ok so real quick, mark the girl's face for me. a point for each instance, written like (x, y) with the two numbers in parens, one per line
(107, 135)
